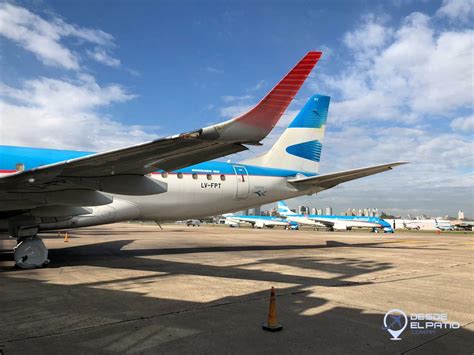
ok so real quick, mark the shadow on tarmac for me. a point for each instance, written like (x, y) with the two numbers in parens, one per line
(95, 317)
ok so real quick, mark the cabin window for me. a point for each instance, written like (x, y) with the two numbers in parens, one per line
(19, 167)
(195, 176)
(223, 177)
(209, 177)
(180, 175)
(164, 174)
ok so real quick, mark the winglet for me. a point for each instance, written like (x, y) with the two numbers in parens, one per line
(268, 111)
(255, 124)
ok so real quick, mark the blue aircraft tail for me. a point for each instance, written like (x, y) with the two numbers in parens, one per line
(299, 147)
(284, 210)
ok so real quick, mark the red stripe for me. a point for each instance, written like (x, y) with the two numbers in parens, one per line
(268, 111)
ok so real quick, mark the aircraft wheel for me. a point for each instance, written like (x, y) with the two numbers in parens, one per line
(31, 253)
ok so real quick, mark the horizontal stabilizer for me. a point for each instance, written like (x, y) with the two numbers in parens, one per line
(327, 181)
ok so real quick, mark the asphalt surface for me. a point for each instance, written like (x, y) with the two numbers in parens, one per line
(131, 288)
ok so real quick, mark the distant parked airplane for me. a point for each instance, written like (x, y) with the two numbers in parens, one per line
(257, 221)
(423, 224)
(335, 222)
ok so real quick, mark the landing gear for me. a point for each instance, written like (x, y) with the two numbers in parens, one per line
(30, 253)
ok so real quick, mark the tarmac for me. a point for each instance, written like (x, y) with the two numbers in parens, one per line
(131, 288)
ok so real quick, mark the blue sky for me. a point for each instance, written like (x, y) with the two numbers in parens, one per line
(100, 74)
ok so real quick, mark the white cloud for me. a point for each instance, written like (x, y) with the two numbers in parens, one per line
(403, 73)
(463, 124)
(236, 105)
(371, 36)
(100, 55)
(82, 94)
(457, 10)
(57, 113)
(287, 118)
(229, 98)
(234, 110)
(43, 38)
(214, 70)
(258, 86)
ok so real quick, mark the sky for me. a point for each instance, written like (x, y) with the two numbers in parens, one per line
(95, 75)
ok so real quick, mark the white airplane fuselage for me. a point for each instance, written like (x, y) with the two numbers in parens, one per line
(188, 198)
(198, 191)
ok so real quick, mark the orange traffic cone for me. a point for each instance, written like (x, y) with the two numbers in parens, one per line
(66, 238)
(272, 325)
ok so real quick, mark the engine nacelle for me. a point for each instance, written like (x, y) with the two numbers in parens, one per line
(117, 211)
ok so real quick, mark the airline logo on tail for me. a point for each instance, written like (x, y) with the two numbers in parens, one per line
(308, 150)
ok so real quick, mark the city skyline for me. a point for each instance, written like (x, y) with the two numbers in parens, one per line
(366, 212)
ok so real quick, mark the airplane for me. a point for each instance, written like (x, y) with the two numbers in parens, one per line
(463, 224)
(256, 221)
(335, 222)
(426, 224)
(171, 178)
(411, 226)
(443, 225)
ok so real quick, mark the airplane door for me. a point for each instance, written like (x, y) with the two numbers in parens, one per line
(243, 185)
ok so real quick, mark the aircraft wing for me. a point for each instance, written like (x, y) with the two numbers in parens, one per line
(327, 181)
(123, 170)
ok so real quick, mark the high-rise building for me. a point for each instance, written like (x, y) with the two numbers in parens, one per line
(303, 209)
(320, 211)
(328, 211)
(257, 211)
(360, 212)
(460, 214)
(313, 210)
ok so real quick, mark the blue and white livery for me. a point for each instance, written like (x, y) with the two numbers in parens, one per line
(334, 222)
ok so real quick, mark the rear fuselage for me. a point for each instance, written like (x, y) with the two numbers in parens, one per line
(197, 191)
